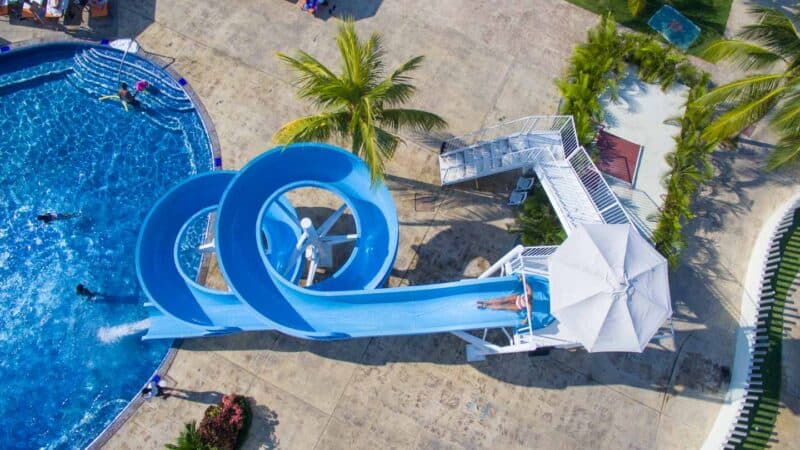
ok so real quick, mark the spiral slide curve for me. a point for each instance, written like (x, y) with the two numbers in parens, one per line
(258, 238)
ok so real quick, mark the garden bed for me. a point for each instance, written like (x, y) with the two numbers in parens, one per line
(597, 66)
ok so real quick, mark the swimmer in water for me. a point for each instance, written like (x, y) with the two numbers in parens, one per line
(49, 217)
(125, 95)
(83, 291)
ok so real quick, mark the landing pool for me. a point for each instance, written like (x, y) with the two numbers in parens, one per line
(70, 365)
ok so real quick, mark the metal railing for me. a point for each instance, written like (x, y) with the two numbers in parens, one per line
(603, 198)
(475, 168)
(560, 124)
(533, 260)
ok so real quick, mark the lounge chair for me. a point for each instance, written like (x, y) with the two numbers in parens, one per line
(33, 10)
(98, 8)
(517, 198)
(524, 184)
(3, 7)
(54, 9)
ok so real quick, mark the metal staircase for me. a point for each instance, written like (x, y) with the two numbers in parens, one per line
(577, 190)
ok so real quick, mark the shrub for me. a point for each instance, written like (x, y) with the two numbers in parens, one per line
(595, 67)
(189, 439)
(538, 223)
(224, 426)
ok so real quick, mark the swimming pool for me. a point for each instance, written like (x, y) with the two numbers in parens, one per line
(70, 365)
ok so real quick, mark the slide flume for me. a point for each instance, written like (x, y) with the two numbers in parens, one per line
(257, 232)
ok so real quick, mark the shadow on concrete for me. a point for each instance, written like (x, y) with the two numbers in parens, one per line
(204, 397)
(353, 9)
(472, 194)
(451, 254)
(262, 433)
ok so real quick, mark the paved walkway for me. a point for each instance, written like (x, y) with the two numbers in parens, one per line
(486, 62)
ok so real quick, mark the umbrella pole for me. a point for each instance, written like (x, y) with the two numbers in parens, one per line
(528, 303)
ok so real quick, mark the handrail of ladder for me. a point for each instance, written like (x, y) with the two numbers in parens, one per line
(561, 124)
(600, 187)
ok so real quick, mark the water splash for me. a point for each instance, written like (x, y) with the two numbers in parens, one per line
(110, 335)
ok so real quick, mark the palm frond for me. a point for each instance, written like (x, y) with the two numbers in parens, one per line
(745, 114)
(775, 30)
(745, 89)
(377, 149)
(417, 120)
(350, 52)
(787, 115)
(316, 128)
(397, 89)
(400, 75)
(314, 81)
(786, 152)
(372, 59)
(353, 103)
(746, 55)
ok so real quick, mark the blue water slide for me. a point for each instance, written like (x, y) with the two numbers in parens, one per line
(325, 310)
(183, 307)
(259, 243)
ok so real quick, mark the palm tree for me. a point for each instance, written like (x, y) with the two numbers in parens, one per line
(773, 40)
(360, 104)
(189, 439)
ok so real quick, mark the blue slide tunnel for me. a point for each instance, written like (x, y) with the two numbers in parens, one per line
(258, 236)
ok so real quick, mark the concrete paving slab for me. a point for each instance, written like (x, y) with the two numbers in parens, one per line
(282, 420)
(316, 372)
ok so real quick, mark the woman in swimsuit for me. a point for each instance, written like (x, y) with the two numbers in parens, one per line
(511, 302)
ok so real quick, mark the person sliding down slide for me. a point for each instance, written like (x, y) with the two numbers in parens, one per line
(517, 303)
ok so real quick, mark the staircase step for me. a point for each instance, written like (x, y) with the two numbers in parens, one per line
(39, 71)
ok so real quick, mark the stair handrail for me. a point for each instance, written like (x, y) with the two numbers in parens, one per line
(603, 184)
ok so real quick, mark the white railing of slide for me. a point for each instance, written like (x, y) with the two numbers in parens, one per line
(598, 190)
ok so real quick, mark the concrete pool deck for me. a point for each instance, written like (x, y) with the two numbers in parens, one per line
(485, 63)
(639, 115)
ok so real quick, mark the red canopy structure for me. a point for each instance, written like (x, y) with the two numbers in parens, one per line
(618, 157)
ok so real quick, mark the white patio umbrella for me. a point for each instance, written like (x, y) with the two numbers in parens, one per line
(609, 288)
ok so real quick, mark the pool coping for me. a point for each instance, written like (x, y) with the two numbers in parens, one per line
(216, 164)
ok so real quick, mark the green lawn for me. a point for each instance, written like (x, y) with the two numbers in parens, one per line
(710, 15)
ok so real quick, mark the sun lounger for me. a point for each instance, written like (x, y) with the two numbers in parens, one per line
(98, 8)
(54, 9)
(517, 198)
(3, 7)
(33, 10)
(524, 184)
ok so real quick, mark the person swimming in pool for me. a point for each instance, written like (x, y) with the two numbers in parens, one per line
(511, 302)
(125, 95)
(83, 291)
(49, 217)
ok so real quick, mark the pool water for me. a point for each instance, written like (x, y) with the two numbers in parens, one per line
(70, 365)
